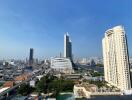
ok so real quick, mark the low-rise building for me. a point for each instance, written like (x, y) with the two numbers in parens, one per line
(86, 90)
(98, 78)
(72, 76)
(22, 77)
(8, 84)
(32, 83)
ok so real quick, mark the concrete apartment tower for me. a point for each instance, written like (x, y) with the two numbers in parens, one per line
(67, 46)
(116, 58)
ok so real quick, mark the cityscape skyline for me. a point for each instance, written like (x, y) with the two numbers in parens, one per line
(65, 50)
(32, 25)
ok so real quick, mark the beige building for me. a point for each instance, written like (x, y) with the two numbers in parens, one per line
(85, 90)
(115, 56)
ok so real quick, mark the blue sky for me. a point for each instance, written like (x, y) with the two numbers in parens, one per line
(41, 24)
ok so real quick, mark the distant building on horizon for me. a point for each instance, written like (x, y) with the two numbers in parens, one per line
(67, 47)
(116, 58)
(31, 60)
(92, 63)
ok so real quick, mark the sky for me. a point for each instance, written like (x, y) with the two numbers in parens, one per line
(41, 24)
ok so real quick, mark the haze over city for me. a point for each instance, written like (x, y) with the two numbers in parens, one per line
(41, 25)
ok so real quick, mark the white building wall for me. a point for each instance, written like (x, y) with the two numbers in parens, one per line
(115, 56)
(61, 64)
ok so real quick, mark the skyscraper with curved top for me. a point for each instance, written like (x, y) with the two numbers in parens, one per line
(67, 46)
(116, 58)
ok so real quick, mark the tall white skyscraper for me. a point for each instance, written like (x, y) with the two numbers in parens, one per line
(116, 58)
(67, 46)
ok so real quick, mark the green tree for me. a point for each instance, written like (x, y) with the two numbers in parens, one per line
(24, 89)
(67, 85)
(41, 85)
(49, 84)
(100, 65)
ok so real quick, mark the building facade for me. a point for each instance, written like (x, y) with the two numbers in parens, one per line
(62, 65)
(67, 47)
(31, 57)
(116, 58)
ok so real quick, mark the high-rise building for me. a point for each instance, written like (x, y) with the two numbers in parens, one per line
(67, 46)
(31, 57)
(116, 58)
